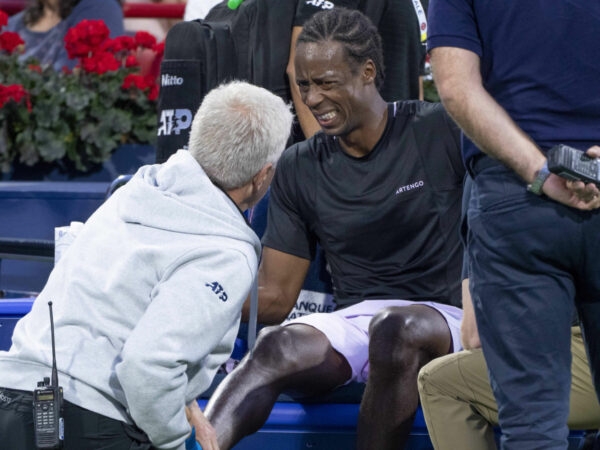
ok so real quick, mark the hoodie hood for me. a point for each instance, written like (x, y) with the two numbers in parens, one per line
(178, 196)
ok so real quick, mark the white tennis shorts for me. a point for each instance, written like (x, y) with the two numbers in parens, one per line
(348, 329)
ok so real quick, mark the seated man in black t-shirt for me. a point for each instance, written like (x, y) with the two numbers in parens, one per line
(380, 191)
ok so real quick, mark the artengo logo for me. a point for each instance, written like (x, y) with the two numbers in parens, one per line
(323, 4)
(171, 80)
(409, 187)
(174, 121)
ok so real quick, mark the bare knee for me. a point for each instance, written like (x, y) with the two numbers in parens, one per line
(406, 338)
(289, 349)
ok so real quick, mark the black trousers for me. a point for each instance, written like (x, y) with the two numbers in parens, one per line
(83, 429)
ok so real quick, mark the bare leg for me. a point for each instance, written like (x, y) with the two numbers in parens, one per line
(402, 340)
(294, 358)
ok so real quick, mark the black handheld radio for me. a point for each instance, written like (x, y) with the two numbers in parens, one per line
(573, 164)
(47, 405)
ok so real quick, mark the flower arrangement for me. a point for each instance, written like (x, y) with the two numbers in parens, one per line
(74, 119)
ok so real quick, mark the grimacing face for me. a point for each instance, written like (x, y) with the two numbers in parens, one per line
(329, 86)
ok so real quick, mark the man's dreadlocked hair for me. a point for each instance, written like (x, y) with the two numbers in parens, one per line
(353, 30)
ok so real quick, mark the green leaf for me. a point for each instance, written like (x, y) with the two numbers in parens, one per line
(49, 143)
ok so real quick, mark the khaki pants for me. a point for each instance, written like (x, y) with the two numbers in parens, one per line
(460, 409)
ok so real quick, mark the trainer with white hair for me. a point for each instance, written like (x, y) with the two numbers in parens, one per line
(147, 300)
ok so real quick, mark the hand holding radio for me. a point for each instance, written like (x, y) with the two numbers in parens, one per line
(573, 164)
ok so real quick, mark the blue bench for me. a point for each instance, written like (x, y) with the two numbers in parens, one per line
(325, 423)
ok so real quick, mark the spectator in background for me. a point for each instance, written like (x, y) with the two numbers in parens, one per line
(402, 26)
(44, 23)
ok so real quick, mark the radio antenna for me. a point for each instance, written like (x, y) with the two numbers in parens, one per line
(54, 381)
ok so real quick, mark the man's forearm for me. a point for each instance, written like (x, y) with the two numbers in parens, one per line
(271, 309)
(482, 119)
(469, 335)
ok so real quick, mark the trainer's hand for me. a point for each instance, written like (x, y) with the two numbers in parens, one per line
(574, 193)
(206, 435)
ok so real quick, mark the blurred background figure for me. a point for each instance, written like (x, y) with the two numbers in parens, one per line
(43, 24)
(156, 27)
(197, 9)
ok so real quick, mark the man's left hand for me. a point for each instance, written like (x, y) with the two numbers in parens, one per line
(206, 435)
(575, 193)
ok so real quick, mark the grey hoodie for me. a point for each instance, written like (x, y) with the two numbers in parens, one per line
(147, 301)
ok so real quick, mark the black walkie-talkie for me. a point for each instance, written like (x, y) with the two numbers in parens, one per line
(573, 164)
(47, 405)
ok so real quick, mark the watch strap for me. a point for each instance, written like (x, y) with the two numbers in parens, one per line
(540, 178)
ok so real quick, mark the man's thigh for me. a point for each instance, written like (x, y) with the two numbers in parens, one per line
(348, 329)
(457, 401)
(584, 411)
(16, 420)
(463, 376)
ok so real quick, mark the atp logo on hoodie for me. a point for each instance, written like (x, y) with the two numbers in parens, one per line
(216, 287)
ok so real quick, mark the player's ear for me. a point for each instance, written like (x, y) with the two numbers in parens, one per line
(369, 71)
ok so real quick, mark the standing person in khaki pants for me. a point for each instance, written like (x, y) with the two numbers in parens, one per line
(455, 391)
(457, 399)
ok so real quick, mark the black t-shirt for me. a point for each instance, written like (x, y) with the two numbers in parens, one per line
(398, 25)
(387, 222)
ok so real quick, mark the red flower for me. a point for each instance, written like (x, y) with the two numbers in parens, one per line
(95, 31)
(100, 62)
(119, 44)
(145, 39)
(131, 61)
(14, 92)
(35, 68)
(9, 41)
(145, 83)
(3, 18)
(85, 37)
(135, 80)
(76, 47)
(159, 49)
(153, 93)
